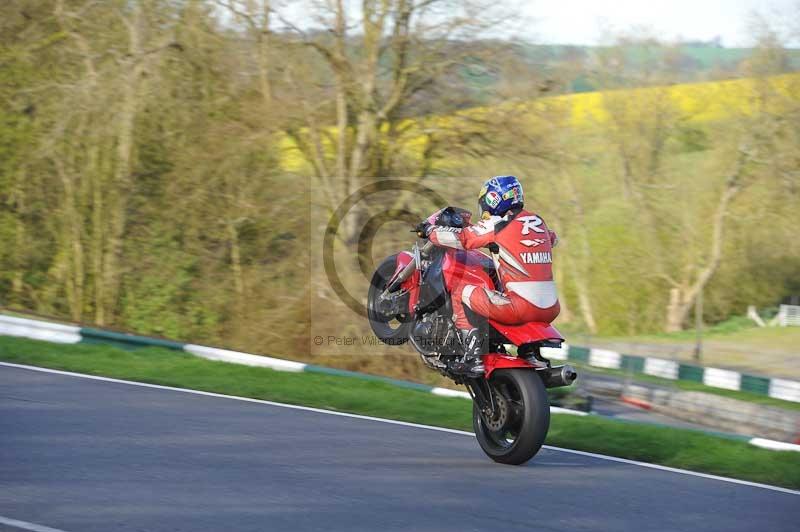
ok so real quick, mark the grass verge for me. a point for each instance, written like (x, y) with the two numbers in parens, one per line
(662, 445)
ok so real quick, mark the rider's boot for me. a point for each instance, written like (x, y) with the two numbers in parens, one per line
(470, 364)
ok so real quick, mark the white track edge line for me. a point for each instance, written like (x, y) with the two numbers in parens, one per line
(396, 422)
(675, 470)
(25, 525)
(235, 397)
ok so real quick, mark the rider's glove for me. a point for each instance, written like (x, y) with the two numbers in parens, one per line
(424, 229)
(553, 239)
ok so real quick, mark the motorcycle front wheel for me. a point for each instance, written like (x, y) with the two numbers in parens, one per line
(519, 425)
(392, 329)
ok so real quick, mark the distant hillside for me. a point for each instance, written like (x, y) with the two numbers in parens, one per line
(691, 62)
(701, 56)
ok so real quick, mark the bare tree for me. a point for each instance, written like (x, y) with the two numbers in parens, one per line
(684, 293)
(256, 15)
(379, 58)
(91, 146)
(763, 153)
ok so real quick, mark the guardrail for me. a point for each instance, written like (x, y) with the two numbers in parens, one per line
(787, 390)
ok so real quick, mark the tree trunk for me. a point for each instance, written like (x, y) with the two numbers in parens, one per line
(236, 262)
(73, 245)
(584, 300)
(17, 281)
(682, 296)
(121, 184)
(98, 242)
(566, 308)
(677, 309)
(579, 272)
(263, 43)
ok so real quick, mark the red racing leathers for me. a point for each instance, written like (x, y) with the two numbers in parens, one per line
(526, 269)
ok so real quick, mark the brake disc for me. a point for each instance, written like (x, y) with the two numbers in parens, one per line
(497, 422)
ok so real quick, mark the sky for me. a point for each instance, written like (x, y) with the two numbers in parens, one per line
(587, 22)
(582, 21)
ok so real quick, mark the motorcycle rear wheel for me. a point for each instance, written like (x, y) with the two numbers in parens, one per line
(517, 430)
(392, 330)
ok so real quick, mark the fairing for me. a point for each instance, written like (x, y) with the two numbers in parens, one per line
(404, 258)
(432, 291)
(493, 361)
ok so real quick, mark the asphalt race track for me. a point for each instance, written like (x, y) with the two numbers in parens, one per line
(82, 455)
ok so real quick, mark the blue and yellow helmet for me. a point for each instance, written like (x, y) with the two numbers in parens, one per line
(498, 195)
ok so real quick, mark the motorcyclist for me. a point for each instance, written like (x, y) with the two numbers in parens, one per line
(525, 267)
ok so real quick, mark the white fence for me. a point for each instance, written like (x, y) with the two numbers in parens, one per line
(789, 315)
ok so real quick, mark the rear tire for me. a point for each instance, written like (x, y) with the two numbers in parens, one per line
(392, 330)
(523, 434)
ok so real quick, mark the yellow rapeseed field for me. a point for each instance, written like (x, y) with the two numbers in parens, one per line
(701, 102)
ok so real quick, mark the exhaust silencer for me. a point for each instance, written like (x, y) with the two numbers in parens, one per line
(558, 376)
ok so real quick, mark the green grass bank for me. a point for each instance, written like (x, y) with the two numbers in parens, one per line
(662, 445)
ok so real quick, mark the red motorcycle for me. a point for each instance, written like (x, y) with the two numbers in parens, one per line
(409, 301)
